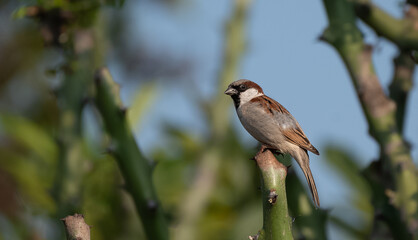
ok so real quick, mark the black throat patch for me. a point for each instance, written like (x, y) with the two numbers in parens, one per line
(236, 100)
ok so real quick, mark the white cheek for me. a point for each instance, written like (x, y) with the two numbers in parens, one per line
(248, 95)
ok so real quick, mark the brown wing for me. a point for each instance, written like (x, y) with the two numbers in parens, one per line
(269, 103)
(298, 137)
(293, 135)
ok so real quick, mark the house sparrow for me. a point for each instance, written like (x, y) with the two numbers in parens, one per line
(272, 125)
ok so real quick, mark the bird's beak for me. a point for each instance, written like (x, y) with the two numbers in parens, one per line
(231, 91)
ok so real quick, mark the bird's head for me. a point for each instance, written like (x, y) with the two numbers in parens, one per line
(243, 90)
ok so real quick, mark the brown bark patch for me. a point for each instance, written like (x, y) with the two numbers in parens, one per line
(266, 159)
(76, 228)
(369, 89)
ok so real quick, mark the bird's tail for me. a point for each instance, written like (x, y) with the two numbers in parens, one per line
(304, 164)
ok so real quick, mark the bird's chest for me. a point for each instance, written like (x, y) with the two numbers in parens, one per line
(262, 125)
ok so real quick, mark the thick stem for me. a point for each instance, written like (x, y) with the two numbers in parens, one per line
(135, 168)
(76, 228)
(401, 85)
(78, 68)
(385, 211)
(276, 220)
(380, 111)
(402, 32)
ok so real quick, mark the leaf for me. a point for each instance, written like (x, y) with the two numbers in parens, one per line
(33, 184)
(140, 103)
(30, 136)
(19, 13)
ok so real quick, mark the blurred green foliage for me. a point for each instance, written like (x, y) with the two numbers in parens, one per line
(51, 165)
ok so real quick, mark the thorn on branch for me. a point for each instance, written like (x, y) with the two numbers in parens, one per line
(86, 100)
(391, 196)
(254, 237)
(321, 38)
(123, 111)
(152, 205)
(414, 56)
(98, 75)
(272, 197)
(401, 166)
(123, 186)
(53, 92)
(153, 164)
(327, 36)
(379, 214)
(111, 149)
(362, 9)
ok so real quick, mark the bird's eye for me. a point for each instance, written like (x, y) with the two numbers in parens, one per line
(242, 87)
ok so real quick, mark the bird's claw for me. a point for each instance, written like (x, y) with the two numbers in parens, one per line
(277, 152)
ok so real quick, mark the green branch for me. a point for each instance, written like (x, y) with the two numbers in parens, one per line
(401, 85)
(380, 200)
(134, 167)
(276, 220)
(401, 32)
(380, 111)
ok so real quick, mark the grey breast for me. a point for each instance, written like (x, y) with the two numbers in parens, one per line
(262, 125)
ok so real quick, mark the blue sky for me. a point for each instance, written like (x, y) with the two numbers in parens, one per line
(285, 58)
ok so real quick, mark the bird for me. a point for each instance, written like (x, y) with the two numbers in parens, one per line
(273, 126)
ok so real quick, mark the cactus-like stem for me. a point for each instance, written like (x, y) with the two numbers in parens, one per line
(276, 220)
(401, 85)
(135, 168)
(402, 32)
(379, 109)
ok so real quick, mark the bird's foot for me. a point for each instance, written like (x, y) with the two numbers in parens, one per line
(265, 148)
(277, 152)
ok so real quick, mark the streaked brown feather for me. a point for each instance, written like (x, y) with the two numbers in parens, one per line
(273, 104)
(298, 137)
(268, 104)
(293, 135)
